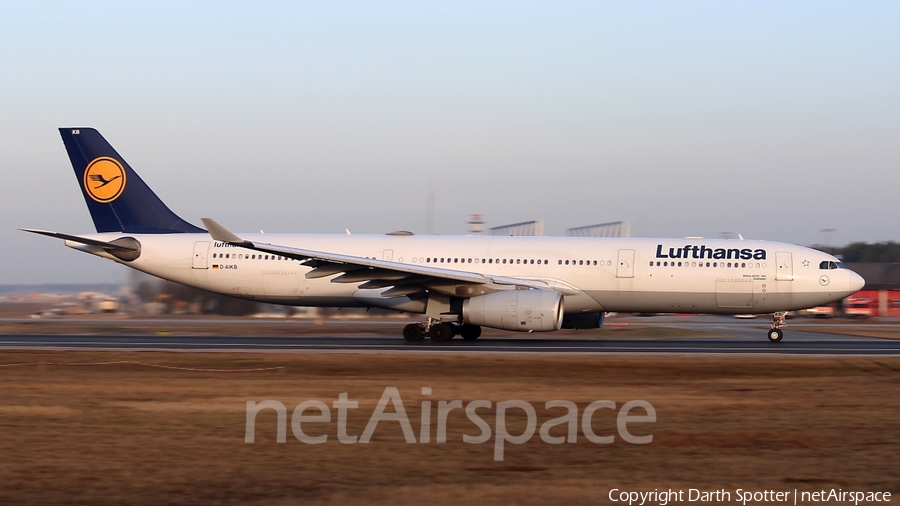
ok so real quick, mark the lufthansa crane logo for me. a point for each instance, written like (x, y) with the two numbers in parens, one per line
(104, 179)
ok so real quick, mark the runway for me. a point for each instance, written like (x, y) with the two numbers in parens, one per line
(664, 334)
(832, 346)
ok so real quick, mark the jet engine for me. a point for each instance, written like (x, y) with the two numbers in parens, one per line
(521, 310)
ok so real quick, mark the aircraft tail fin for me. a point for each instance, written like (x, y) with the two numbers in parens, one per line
(118, 199)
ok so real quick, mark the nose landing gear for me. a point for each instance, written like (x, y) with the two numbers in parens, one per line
(775, 333)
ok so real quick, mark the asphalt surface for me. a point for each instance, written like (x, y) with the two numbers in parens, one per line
(847, 346)
(743, 337)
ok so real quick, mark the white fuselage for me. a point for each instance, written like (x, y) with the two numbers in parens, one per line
(593, 274)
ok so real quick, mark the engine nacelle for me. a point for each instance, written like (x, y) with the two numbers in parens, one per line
(521, 310)
(583, 321)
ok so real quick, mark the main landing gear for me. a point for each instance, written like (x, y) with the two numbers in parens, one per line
(440, 332)
(775, 333)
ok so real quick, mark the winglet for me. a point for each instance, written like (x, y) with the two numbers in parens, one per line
(220, 233)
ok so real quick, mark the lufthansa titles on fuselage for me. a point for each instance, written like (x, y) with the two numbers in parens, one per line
(702, 251)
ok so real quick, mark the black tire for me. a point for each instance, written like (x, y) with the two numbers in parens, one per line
(469, 332)
(775, 335)
(441, 332)
(413, 333)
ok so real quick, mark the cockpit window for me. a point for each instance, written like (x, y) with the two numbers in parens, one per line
(825, 264)
(841, 265)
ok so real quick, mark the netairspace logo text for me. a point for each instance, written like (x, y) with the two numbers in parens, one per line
(302, 422)
(742, 496)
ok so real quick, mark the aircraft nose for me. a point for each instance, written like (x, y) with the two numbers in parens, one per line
(856, 282)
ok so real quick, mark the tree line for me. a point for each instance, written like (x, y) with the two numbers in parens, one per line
(888, 251)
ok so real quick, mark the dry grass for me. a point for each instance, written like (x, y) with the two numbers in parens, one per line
(124, 433)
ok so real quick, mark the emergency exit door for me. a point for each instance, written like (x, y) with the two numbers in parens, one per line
(201, 253)
(625, 267)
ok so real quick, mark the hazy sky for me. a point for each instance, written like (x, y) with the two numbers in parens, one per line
(770, 119)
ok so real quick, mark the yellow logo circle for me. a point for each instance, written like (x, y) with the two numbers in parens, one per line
(104, 179)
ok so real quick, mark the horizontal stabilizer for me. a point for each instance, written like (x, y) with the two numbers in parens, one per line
(84, 240)
(123, 248)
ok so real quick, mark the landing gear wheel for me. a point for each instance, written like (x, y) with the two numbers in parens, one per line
(469, 332)
(441, 332)
(775, 335)
(413, 333)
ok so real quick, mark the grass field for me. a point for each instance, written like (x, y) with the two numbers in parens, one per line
(128, 433)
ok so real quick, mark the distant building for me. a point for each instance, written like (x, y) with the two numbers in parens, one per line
(611, 229)
(882, 286)
(526, 228)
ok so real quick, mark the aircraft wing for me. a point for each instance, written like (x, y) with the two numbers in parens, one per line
(404, 278)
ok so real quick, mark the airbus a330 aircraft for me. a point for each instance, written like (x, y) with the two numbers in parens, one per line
(458, 284)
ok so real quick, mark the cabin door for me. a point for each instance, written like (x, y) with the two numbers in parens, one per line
(785, 266)
(625, 267)
(201, 253)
